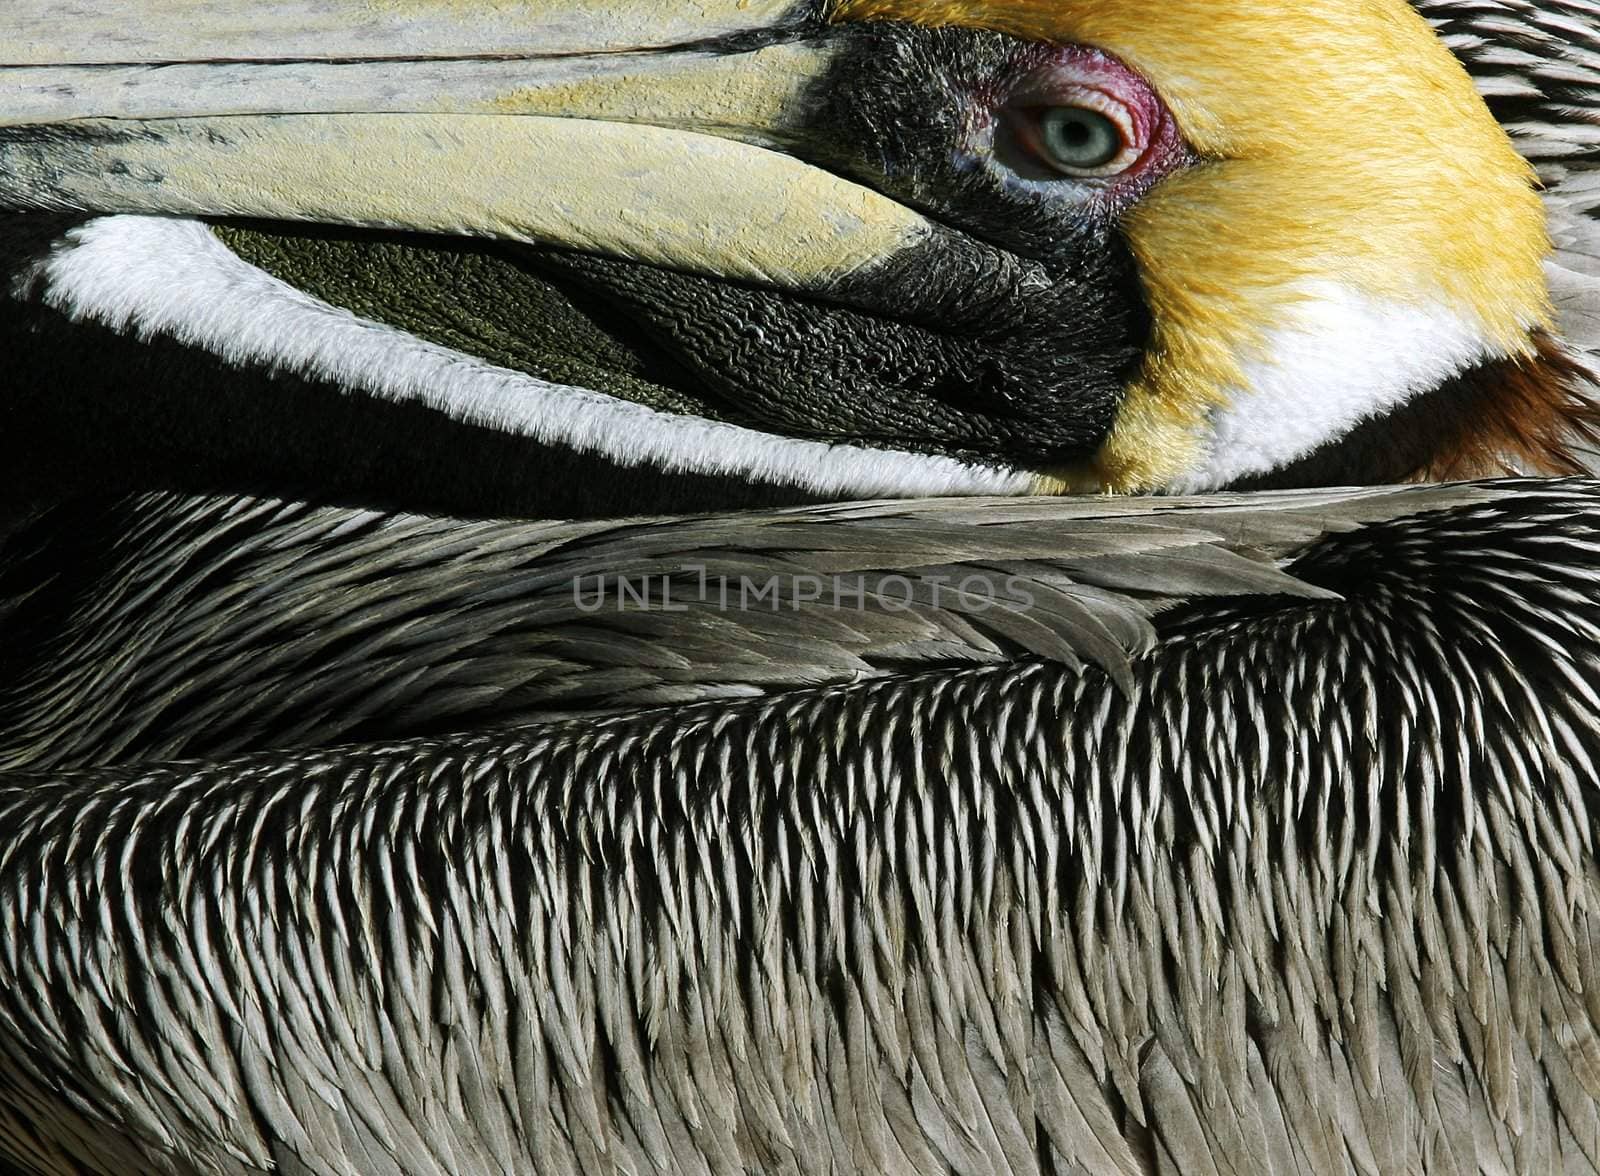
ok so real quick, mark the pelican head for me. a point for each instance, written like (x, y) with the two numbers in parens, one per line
(752, 250)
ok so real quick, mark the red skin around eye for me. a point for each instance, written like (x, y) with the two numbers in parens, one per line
(1043, 76)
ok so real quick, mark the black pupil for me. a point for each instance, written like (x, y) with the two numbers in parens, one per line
(1077, 133)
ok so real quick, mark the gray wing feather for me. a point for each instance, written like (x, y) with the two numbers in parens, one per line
(203, 627)
(971, 918)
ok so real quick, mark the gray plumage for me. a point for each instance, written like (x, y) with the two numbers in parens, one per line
(994, 917)
(204, 627)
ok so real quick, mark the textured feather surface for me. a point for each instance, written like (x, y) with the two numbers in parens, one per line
(992, 918)
(165, 626)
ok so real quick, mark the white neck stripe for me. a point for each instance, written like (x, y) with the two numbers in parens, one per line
(1343, 358)
(159, 276)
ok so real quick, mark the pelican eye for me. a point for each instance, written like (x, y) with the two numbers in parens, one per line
(1077, 140)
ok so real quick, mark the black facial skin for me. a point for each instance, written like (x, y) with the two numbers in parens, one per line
(1008, 335)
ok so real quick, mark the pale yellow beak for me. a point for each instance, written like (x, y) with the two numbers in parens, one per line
(641, 130)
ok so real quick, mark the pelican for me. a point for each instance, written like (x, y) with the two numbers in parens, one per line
(882, 586)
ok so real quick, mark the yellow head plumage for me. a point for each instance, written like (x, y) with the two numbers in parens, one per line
(1343, 153)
